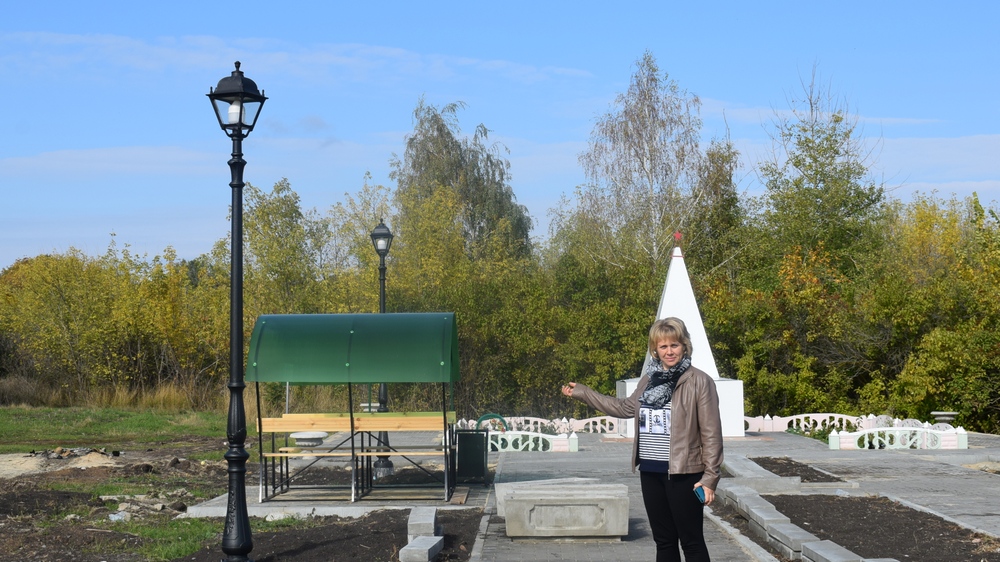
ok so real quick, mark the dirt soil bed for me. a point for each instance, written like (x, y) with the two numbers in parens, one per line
(379, 536)
(39, 520)
(869, 526)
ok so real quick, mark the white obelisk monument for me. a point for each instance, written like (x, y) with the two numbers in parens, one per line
(678, 301)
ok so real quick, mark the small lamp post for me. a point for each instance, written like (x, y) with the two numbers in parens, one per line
(382, 240)
(237, 104)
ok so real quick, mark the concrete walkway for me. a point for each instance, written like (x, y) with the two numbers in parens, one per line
(933, 481)
(607, 460)
(936, 481)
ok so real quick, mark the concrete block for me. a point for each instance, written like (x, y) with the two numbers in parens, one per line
(502, 489)
(740, 466)
(421, 549)
(730, 493)
(827, 551)
(791, 535)
(746, 502)
(879, 560)
(422, 522)
(569, 511)
(748, 473)
(771, 485)
(784, 551)
(765, 516)
(757, 530)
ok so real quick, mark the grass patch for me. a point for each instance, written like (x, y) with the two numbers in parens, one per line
(25, 428)
(164, 538)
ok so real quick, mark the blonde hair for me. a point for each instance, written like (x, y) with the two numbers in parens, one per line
(669, 329)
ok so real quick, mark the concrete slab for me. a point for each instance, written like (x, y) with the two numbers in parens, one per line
(588, 511)
(503, 489)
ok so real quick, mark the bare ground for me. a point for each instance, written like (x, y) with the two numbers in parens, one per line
(38, 522)
(41, 521)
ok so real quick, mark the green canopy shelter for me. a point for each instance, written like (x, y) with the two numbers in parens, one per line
(350, 349)
(354, 348)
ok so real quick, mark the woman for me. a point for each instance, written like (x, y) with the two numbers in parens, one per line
(678, 445)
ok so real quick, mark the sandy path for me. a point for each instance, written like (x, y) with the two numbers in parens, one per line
(17, 464)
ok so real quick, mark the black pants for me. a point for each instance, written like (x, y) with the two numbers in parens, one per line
(675, 516)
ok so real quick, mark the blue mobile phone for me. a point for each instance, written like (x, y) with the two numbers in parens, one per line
(700, 492)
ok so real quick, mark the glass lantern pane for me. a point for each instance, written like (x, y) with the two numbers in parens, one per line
(250, 109)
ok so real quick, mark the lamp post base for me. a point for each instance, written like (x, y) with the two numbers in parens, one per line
(383, 468)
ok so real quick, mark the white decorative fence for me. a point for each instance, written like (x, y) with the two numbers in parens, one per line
(901, 438)
(530, 441)
(524, 433)
(808, 423)
(867, 432)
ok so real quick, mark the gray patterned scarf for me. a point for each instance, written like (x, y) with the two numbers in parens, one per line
(662, 383)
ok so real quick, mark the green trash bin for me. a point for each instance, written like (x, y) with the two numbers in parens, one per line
(473, 455)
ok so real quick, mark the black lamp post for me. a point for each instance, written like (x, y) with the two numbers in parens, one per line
(382, 239)
(237, 104)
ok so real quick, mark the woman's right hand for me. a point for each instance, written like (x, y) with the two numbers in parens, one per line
(567, 389)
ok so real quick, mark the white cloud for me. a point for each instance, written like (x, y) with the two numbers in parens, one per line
(57, 53)
(942, 160)
(735, 113)
(72, 165)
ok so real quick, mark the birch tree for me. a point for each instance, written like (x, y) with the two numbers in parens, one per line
(641, 167)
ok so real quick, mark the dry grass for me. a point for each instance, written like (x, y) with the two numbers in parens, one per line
(21, 390)
(180, 396)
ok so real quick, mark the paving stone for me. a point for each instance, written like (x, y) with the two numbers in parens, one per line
(791, 535)
(421, 549)
(765, 516)
(827, 551)
(422, 522)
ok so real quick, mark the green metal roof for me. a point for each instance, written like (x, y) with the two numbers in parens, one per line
(354, 348)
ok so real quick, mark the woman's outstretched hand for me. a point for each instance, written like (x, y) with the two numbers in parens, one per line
(567, 389)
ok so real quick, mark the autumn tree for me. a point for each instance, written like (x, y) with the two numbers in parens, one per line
(792, 323)
(717, 217)
(438, 156)
(283, 251)
(348, 260)
(641, 166)
(610, 245)
(818, 188)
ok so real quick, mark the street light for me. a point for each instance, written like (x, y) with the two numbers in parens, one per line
(382, 240)
(237, 104)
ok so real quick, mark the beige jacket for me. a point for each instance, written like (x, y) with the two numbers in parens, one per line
(695, 425)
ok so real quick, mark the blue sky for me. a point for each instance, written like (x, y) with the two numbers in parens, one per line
(105, 127)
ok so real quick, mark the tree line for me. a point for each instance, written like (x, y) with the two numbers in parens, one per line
(821, 292)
